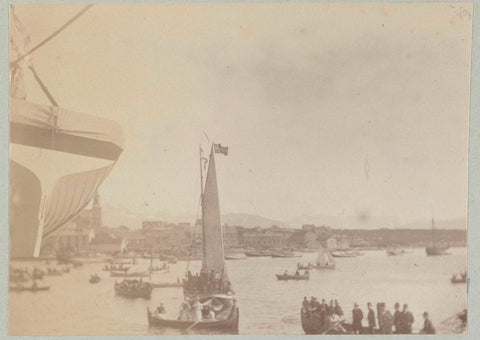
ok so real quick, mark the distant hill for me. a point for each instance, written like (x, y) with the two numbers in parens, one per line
(247, 220)
(116, 216)
(344, 222)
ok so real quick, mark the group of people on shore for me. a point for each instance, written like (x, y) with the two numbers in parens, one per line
(207, 283)
(330, 316)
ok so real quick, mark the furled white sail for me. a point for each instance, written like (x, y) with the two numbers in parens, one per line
(213, 253)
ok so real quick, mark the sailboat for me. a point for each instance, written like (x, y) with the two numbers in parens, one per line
(435, 249)
(325, 260)
(211, 287)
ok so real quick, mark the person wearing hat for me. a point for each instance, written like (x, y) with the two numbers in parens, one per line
(357, 316)
(305, 304)
(427, 325)
(407, 320)
(371, 318)
(397, 319)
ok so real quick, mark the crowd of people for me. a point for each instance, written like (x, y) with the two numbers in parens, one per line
(207, 283)
(132, 285)
(330, 316)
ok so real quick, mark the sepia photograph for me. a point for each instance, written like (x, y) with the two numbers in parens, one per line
(252, 169)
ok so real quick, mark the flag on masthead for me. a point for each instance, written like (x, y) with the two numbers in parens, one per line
(221, 149)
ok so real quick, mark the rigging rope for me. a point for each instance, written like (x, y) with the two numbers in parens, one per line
(51, 36)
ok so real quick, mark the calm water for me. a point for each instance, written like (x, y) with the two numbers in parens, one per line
(73, 306)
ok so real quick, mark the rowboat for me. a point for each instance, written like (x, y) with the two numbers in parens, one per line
(236, 257)
(284, 277)
(285, 254)
(229, 324)
(262, 253)
(145, 291)
(344, 254)
(30, 288)
(94, 279)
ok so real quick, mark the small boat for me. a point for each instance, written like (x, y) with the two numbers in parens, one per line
(125, 274)
(236, 257)
(261, 253)
(32, 288)
(284, 254)
(229, 324)
(300, 266)
(53, 272)
(284, 277)
(166, 284)
(395, 252)
(325, 260)
(459, 278)
(94, 278)
(436, 249)
(133, 289)
(344, 254)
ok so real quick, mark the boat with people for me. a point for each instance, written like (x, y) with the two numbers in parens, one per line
(297, 276)
(436, 249)
(94, 278)
(133, 289)
(209, 302)
(115, 267)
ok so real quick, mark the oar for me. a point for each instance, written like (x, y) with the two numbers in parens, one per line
(190, 327)
(335, 325)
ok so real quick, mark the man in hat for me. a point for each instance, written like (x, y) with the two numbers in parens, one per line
(427, 325)
(371, 318)
(357, 316)
(397, 319)
(305, 304)
(407, 320)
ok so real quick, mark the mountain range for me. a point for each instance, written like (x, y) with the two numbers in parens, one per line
(116, 216)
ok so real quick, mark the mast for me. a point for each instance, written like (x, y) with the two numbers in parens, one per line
(433, 231)
(201, 203)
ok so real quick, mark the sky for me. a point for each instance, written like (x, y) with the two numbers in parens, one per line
(358, 109)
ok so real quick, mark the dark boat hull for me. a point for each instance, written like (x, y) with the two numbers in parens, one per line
(144, 293)
(284, 277)
(313, 326)
(166, 285)
(29, 289)
(435, 251)
(229, 324)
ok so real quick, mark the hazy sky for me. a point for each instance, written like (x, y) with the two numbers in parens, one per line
(326, 109)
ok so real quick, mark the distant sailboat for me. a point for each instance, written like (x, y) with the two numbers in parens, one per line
(325, 260)
(211, 287)
(435, 249)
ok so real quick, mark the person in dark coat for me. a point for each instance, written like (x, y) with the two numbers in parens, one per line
(407, 320)
(305, 304)
(427, 325)
(357, 316)
(397, 319)
(371, 318)
(337, 309)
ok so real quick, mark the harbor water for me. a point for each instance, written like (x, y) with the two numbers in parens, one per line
(73, 306)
